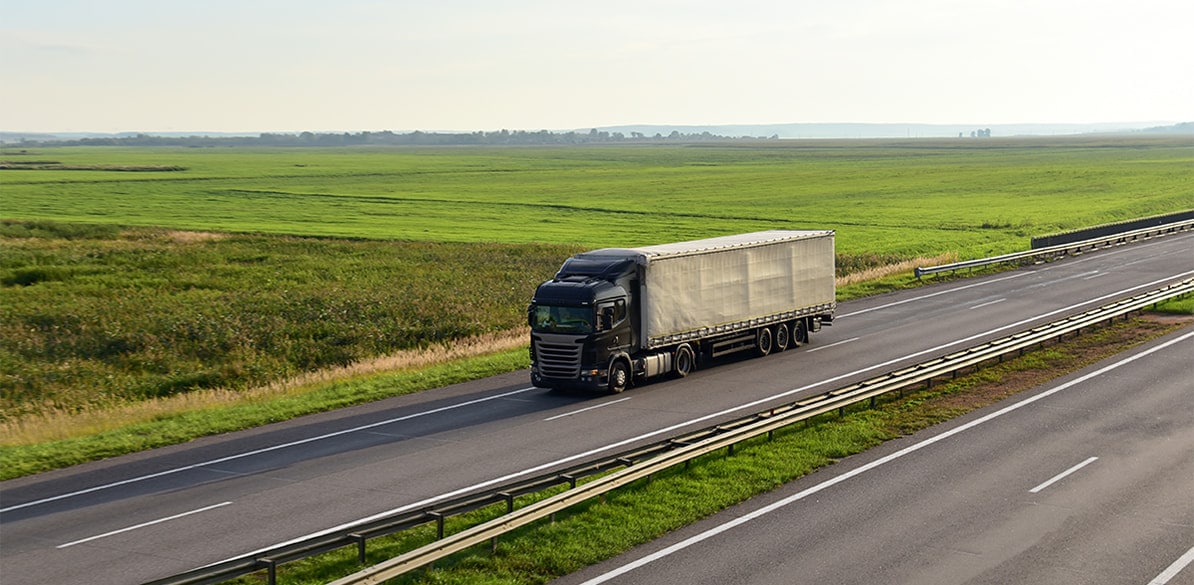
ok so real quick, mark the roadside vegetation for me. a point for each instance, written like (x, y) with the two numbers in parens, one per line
(217, 289)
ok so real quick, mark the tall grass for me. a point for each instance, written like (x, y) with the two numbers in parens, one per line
(89, 324)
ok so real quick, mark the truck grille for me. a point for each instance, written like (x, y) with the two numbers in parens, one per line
(558, 360)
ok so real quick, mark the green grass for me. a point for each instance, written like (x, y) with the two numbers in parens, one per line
(905, 198)
(94, 322)
(1179, 306)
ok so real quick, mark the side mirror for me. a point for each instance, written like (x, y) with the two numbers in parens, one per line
(531, 315)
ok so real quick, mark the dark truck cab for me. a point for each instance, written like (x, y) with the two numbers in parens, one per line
(581, 324)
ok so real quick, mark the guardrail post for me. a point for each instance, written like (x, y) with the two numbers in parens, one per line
(271, 570)
(360, 538)
(439, 524)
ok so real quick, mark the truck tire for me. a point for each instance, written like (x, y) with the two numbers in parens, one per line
(763, 341)
(684, 360)
(782, 337)
(619, 377)
(800, 332)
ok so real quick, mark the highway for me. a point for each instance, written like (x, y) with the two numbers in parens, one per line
(149, 515)
(1088, 479)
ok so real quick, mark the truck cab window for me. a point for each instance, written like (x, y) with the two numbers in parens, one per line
(610, 314)
(557, 319)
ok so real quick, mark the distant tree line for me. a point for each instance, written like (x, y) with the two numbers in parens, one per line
(385, 137)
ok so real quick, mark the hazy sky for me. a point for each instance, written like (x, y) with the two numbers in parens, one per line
(350, 65)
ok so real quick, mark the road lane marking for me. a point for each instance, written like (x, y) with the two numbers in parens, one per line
(931, 295)
(586, 409)
(842, 342)
(1174, 569)
(987, 304)
(595, 451)
(257, 452)
(1062, 475)
(144, 524)
(878, 463)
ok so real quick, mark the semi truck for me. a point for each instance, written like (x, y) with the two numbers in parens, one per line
(617, 316)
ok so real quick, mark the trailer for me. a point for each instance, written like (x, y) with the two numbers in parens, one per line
(612, 316)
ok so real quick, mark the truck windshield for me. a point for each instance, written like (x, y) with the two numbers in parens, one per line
(551, 319)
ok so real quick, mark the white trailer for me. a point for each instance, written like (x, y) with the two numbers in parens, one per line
(621, 313)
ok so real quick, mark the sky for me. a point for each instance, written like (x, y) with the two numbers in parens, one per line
(464, 65)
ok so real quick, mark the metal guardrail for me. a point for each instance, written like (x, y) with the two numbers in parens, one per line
(757, 425)
(1064, 249)
(1109, 229)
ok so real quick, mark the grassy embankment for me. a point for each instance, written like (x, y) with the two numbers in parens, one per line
(173, 326)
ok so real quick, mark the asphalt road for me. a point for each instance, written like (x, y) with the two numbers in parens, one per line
(144, 516)
(1087, 480)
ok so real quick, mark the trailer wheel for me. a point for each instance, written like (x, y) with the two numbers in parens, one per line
(800, 333)
(684, 360)
(782, 339)
(763, 341)
(619, 377)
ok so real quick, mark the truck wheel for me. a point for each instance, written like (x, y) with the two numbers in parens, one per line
(763, 341)
(800, 333)
(684, 360)
(782, 339)
(619, 377)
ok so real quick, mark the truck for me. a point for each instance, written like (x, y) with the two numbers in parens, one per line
(614, 317)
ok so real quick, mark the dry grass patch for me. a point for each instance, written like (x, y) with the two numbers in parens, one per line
(897, 268)
(187, 237)
(56, 425)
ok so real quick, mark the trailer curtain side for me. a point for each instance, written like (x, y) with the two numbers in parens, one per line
(724, 282)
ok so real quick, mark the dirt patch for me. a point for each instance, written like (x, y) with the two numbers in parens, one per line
(1168, 318)
(185, 237)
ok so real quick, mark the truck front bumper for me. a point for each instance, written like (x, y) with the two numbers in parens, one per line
(589, 379)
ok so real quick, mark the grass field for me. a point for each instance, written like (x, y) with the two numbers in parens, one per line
(973, 197)
(117, 316)
(140, 274)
